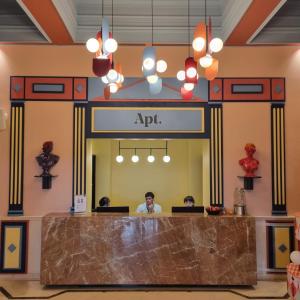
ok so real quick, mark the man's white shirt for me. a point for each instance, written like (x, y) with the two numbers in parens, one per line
(142, 208)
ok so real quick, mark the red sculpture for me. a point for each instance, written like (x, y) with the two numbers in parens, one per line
(249, 163)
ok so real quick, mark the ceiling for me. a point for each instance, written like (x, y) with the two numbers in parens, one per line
(237, 22)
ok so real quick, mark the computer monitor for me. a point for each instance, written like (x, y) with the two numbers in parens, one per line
(188, 209)
(112, 209)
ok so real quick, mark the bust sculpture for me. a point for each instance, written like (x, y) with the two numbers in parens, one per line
(47, 161)
(249, 163)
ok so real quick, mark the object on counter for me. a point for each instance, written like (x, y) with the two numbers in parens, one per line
(187, 209)
(214, 210)
(239, 206)
(112, 209)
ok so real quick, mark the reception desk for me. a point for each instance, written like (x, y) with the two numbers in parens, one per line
(118, 249)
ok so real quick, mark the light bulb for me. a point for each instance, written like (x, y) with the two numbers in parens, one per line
(188, 86)
(112, 75)
(92, 45)
(118, 78)
(216, 45)
(119, 159)
(198, 43)
(111, 45)
(166, 158)
(206, 61)
(152, 78)
(148, 63)
(113, 88)
(161, 66)
(122, 78)
(181, 75)
(135, 158)
(104, 79)
(151, 158)
(191, 72)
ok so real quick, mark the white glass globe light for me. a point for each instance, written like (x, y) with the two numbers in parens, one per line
(152, 78)
(135, 158)
(119, 159)
(92, 45)
(206, 61)
(118, 78)
(113, 88)
(110, 45)
(188, 86)
(191, 72)
(166, 158)
(161, 66)
(112, 75)
(295, 257)
(216, 45)
(104, 79)
(148, 63)
(198, 43)
(181, 75)
(151, 158)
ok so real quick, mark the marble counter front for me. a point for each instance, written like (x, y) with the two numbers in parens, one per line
(110, 249)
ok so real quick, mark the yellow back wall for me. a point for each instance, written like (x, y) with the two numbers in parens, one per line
(126, 183)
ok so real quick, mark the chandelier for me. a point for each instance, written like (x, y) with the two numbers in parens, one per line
(150, 158)
(204, 46)
(104, 45)
(151, 67)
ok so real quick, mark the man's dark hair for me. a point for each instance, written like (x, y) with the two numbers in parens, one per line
(104, 201)
(149, 194)
(189, 199)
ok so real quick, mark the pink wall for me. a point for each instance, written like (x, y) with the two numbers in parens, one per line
(248, 123)
(49, 121)
(76, 61)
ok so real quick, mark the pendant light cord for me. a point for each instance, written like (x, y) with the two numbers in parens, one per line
(112, 17)
(152, 22)
(102, 9)
(189, 53)
(205, 12)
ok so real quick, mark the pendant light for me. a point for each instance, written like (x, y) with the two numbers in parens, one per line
(114, 77)
(204, 46)
(150, 66)
(103, 45)
(189, 76)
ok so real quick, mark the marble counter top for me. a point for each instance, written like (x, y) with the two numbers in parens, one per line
(120, 249)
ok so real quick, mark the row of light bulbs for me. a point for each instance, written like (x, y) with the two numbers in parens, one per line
(135, 158)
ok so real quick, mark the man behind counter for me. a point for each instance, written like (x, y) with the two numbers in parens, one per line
(149, 206)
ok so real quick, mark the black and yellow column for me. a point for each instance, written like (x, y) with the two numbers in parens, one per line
(278, 160)
(216, 155)
(16, 167)
(79, 151)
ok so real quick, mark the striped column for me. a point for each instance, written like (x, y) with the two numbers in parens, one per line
(16, 167)
(79, 151)
(216, 155)
(278, 160)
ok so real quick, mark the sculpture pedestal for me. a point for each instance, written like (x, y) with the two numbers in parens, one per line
(248, 181)
(46, 181)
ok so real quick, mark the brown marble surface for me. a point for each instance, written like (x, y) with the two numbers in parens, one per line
(145, 250)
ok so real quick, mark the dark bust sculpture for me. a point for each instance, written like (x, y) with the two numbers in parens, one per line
(46, 161)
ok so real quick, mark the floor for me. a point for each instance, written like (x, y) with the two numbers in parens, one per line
(18, 289)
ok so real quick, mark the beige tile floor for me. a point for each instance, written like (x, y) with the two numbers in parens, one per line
(33, 290)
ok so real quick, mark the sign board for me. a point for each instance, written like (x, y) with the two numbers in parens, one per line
(79, 203)
(147, 119)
